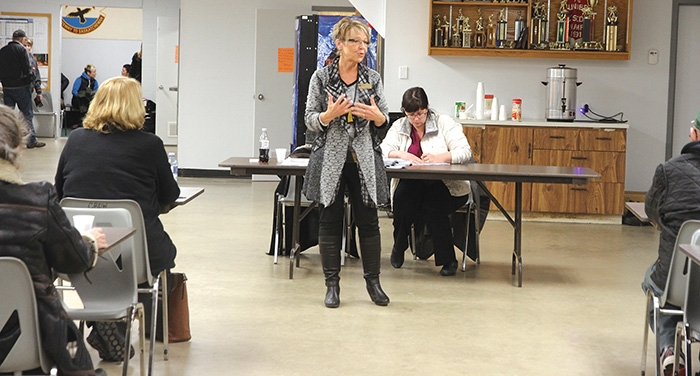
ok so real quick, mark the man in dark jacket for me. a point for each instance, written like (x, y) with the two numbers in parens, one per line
(16, 76)
(674, 197)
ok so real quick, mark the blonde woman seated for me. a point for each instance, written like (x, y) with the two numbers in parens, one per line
(424, 136)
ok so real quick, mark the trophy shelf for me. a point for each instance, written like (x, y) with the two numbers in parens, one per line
(449, 11)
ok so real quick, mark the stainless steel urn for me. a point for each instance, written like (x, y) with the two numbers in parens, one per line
(561, 93)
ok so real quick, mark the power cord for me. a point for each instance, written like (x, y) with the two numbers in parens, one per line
(601, 118)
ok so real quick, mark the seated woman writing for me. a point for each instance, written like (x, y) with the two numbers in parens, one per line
(424, 136)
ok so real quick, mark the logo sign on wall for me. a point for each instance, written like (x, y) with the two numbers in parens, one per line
(82, 20)
(89, 22)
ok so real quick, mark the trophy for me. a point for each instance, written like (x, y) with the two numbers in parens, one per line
(519, 26)
(562, 27)
(540, 26)
(502, 30)
(445, 31)
(588, 37)
(466, 34)
(491, 32)
(611, 30)
(480, 35)
(437, 31)
(457, 30)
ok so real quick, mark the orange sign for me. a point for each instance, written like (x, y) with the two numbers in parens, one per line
(285, 60)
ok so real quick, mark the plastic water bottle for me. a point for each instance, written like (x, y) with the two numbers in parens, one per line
(264, 147)
(173, 164)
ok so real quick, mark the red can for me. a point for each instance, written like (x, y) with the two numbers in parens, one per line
(517, 112)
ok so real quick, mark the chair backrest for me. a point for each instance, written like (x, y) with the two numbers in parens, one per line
(676, 282)
(143, 266)
(46, 104)
(19, 303)
(114, 275)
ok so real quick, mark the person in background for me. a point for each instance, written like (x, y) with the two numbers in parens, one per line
(36, 85)
(672, 199)
(112, 158)
(345, 105)
(424, 136)
(35, 229)
(84, 89)
(135, 71)
(17, 78)
(126, 68)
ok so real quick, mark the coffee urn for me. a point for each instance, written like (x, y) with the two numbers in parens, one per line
(561, 93)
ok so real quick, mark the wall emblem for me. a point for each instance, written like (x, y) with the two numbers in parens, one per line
(82, 20)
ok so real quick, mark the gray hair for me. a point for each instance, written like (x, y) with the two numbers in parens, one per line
(13, 134)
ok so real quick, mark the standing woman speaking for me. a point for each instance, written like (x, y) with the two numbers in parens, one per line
(345, 105)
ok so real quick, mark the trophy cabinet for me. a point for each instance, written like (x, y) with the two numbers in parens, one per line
(573, 29)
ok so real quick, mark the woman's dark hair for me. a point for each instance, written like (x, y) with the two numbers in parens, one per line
(414, 99)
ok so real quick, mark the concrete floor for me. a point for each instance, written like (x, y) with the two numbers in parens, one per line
(580, 310)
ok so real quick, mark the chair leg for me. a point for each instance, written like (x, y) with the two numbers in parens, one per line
(154, 323)
(164, 292)
(130, 315)
(278, 229)
(466, 239)
(646, 334)
(142, 338)
(477, 232)
(413, 242)
(688, 356)
(657, 352)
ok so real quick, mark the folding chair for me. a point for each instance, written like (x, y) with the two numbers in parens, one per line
(19, 306)
(143, 269)
(674, 293)
(689, 329)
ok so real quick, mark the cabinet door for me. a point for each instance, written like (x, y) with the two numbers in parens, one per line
(610, 165)
(593, 198)
(508, 145)
(474, 136)
(603, 139)
(555, 138)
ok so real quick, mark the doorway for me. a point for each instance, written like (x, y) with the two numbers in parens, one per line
(683, 100)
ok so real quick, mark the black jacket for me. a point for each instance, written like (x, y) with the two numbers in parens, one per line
(15, 70)
(123, 165)
(34, 228)
(674, 197)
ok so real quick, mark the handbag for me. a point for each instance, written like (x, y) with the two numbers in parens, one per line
(178, 311)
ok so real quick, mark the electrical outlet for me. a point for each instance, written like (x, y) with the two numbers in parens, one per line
(403, 73)
(653, 57)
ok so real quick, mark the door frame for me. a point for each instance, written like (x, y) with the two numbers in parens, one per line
(671, 107)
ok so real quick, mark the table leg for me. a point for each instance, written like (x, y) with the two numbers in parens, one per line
(295, 231)
(518, 233)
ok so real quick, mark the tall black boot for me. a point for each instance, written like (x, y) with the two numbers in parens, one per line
(371, 259)
(329, 246)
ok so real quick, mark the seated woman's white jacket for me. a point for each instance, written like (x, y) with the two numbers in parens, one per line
(442, 134)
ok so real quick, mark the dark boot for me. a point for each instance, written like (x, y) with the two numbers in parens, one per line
(371, 260)
(329, 247)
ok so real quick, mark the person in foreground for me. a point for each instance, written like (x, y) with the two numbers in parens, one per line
(673, 198)
(36, 230)
(423, 136)
(345, 104)
(112, 158)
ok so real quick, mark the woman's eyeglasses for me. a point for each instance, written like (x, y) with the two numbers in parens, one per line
(417, 114)
(356, 42)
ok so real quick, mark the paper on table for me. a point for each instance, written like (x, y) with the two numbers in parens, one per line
(396, 163)
(295, 162)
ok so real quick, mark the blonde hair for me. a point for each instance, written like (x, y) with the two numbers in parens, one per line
(89, 68)
(13, 134)
(117, 105)
(29, 42)
(345, 25)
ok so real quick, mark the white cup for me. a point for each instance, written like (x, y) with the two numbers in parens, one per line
(281, 154)
(83, 222)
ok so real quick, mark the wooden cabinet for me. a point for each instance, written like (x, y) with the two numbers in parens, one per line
(601, 149)
(445, 16)
(474, 136)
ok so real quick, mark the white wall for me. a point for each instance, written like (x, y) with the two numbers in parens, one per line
(634, 87)
(374, 11)
(217, 83)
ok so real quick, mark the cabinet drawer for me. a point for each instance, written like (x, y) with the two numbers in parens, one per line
(555, 138)
(610, 165)
(603, 139)
(593, 198)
